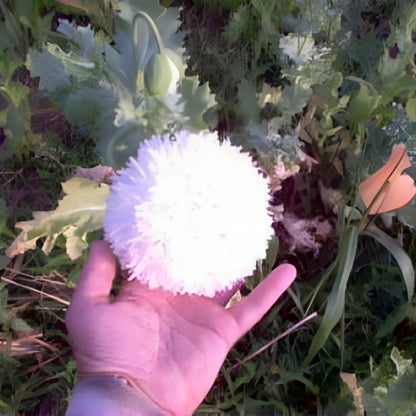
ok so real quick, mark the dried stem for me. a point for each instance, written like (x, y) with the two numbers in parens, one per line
(289, 331)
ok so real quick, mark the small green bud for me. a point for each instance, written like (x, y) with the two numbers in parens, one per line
(157, 74)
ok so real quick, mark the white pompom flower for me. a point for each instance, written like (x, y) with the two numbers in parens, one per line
(188, 215)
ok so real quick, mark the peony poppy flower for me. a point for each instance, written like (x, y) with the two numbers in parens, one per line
(188, 215)
(390, 188)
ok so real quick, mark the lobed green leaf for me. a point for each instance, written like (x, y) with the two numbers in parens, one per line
(79, 212)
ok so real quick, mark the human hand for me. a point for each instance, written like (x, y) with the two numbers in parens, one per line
(169, 347)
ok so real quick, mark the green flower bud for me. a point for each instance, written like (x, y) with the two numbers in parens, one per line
(157, 74)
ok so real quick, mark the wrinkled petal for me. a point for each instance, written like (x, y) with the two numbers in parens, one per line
(400, 189)
(188, 215)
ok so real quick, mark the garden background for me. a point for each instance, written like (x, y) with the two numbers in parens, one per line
(318, 91)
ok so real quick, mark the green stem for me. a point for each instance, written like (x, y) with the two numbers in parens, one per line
(152, 25)
(156, 33)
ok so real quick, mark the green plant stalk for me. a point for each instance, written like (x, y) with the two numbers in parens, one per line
(322, 280)
(336, 298)
(342, 226)
(155, 31)
(342, 336)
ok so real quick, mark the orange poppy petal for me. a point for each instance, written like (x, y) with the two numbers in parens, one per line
(391, 172)
(369, 188)
(395, 195)
(400, 158)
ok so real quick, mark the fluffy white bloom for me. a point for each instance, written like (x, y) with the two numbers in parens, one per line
(188, 215)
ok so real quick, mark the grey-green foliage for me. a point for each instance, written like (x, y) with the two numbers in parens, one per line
(391, 388)
(23, 25)
(314, 16)
(98, 83)
(271, 147)
(369, 30)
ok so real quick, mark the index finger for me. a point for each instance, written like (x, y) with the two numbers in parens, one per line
(252, 308)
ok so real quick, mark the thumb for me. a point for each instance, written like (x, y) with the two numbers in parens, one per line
(252, 308)
(97, 275)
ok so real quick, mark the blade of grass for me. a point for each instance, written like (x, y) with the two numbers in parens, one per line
(321, 282)
(402, 258)
(336, 298)
(271, 254)
(296, 298)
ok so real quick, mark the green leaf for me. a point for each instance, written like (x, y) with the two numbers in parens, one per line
(247, 101)
(6, 409)
(49, 68)
(363, 101)
(4, 261)
(295, 97)
(271, 254)
(95, 82)
(4, 214)
(390, 69)
(19, 324)
(238, 23)
(18, 122)
(392, 320)
(16, 92)
(310, 16)
(402, 364)
(411, 108)
(336, 298)
(196, 100)
(100, 13)
(3, 295)
(78, 213)
(402, 258)
(246, 374)
(288, 376)
(383, 114)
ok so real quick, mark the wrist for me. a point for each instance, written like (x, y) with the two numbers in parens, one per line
(107, 395)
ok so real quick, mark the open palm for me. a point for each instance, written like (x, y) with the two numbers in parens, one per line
(168, 346)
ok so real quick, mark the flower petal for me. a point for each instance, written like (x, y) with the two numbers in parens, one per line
(188, 215)
(400, 189)
(395, 195)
